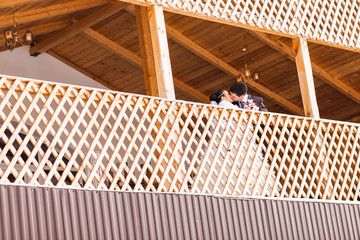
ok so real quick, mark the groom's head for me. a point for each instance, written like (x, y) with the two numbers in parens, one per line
(238, 91)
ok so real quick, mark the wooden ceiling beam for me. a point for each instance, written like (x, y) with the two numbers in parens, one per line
(113, 47)
(76, 28)
(206, 55)
(50, 11)
(86, 73)
(288, 52)
(137, 61)
(15, 3)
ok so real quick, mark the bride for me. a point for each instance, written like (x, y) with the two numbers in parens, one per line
(235, 163)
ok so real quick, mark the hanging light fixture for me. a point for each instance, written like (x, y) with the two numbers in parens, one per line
(12, 38)
(247, 71)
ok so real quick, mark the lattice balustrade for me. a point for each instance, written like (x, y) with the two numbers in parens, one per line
(59, 135)
(336, 22)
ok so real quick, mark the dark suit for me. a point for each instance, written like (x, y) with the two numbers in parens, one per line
(260, 103)
(258, 100)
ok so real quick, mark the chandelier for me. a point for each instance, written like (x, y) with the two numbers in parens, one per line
(247, 76)
(12, 38)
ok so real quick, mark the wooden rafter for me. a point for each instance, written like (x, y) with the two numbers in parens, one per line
(76, 28)
(206, 55)
(288, 52)
(50, 11)
(15, 3)
(137, 61)
(76, 67)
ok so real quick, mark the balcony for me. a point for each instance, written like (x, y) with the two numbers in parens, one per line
(63, 135)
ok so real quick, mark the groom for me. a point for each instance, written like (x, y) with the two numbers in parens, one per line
(240, 97)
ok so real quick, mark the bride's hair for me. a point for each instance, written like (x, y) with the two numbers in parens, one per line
(217, 96)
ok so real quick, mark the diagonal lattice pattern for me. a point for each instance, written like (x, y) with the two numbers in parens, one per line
(59, 135)
(331, 22)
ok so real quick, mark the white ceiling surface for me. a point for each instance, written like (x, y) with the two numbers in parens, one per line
(43, 67)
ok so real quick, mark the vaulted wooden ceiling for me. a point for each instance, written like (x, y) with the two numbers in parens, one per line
(100, 39)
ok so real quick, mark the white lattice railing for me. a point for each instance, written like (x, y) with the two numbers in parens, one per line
(331, 22)
(56, 135)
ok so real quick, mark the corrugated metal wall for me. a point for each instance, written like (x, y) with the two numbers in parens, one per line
(58, 213)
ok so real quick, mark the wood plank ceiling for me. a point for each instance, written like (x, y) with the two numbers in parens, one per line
(205, 56)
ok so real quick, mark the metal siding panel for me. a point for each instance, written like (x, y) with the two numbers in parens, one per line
(246, 217)
(211, 211)
(344, 223)
(157, 216)
(5, 211)
(91, 226)
(281, 206)
(229, 219)
(270, 216)
(144, 217)
(313, 224)
(253, 219)
(169, 206)
(104, 198)
(75, 213)
(59, 209)
(204, 217)
(236, 218)
(349, 221)
(191, 216)
(297, 222)
(24, 216)
(184, 223)
(98, 216)
(292, 216)
(242, 220)
(40, 217)
(263, 215)
(284, 206)
(324, 222)
(136, 220)
(305, 221)
(121, 216)
(113, 216)
(32, 213)
(330, 219)
(178, 234)
(128, 218)
(198, 218)
(277, 220)
(80, 204)
(222, 220)
(354, 213)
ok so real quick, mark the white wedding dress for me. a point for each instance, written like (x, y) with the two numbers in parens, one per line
(236, 164)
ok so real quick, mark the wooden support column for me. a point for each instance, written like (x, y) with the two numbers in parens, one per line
(160, 51)
(147, 55)
(303, 65)
(159, 82)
